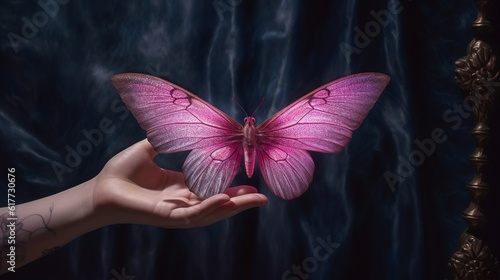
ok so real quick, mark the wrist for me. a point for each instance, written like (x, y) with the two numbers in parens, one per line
(72, 211)
(89, 213)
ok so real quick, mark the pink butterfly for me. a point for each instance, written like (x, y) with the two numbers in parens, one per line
(177, 120)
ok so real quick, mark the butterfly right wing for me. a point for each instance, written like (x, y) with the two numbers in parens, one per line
(176, 120)
(323, 121)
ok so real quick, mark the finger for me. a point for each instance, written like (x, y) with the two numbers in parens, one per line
(241, 198)
(194, 213)
(240, 190)
(142, 147)
(247, 201)
(234, 206)
(136, 164)
(134, 156)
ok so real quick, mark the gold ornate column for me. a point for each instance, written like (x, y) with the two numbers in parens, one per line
(478, 76)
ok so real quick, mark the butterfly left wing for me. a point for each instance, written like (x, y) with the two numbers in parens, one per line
(174, 118)
(177, 120)
(210, 170)
(321, 121)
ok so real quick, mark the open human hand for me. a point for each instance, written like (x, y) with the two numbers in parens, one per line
(132, 189)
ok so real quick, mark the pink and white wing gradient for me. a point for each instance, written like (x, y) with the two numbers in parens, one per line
(210, 170)
(325, 119)
(287, 171)
(174, 119)
(321, 121)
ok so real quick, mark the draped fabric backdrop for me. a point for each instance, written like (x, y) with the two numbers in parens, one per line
(387, 207)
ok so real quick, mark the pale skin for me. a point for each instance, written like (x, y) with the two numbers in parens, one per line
(130, 189)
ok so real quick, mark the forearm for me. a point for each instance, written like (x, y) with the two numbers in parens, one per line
(43, 225)
(131, 188)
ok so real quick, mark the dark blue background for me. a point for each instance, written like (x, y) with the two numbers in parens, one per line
(56, 84)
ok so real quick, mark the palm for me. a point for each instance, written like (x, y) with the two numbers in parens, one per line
(133, 189)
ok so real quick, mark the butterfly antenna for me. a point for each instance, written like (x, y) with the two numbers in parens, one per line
(236, 101)
(262, 102)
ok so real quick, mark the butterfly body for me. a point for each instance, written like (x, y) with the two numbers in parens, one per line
(249, 145)
(177, 120)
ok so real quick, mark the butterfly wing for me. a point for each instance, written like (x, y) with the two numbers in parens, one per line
(287, 171)
(177, 120)
(322, 121)
(210, 170)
